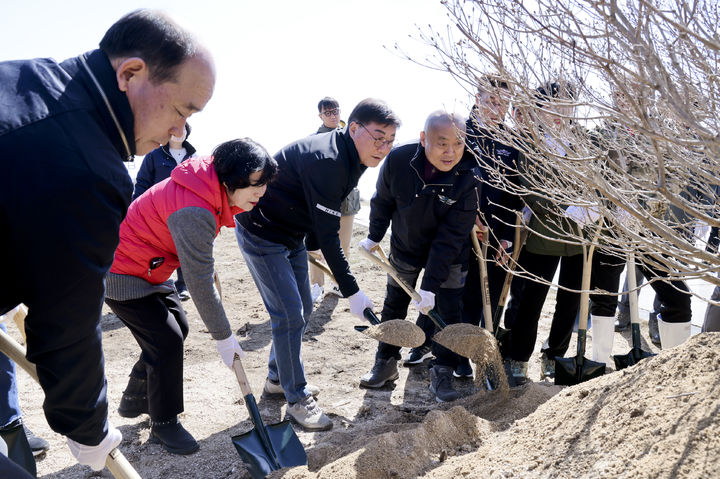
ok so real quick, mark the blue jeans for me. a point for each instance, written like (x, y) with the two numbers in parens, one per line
(281, 275)
(9, 404)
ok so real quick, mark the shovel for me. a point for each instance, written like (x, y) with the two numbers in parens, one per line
(397, 332)
(636, 353)
(116, 462)
(571, 371)
(265, 449)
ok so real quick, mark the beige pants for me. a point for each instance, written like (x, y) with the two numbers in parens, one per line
(346, 225)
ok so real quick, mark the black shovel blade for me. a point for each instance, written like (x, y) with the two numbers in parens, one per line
(571, 371)
(503, 338)
(623, 361)
(287, 447)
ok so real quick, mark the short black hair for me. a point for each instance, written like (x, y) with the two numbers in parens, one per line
(152, 36)
(374, 110)
(328, 103)
(188, 129)
(236, 160)
(550, 90)
(486, 82)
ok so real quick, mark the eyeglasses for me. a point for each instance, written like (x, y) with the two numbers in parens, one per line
(329, 113)
(379, 142)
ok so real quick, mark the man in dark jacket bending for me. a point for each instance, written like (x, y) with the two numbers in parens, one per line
(315, 174)
(429, 191)
(65, 130)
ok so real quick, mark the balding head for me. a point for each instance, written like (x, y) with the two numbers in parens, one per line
(443, 139)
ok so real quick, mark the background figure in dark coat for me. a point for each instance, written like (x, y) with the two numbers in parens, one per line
(65, 130)
(157, 166)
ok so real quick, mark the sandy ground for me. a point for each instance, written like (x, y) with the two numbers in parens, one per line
(658, 419)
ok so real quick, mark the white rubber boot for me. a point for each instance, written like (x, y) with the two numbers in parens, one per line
(672, 334)
(603, 334)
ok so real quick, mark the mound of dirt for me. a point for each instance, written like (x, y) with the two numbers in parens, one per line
(658, 419)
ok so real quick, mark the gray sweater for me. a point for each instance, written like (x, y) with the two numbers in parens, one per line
(193, 232)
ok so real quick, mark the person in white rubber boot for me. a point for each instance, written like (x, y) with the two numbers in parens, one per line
(606, 273)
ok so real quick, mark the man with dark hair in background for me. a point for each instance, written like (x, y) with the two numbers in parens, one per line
(315, 174)
(65, 130)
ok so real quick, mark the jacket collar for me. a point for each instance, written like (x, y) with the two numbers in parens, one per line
(443, 178)
(105, 75)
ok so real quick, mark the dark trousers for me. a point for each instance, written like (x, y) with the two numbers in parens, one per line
(525, 326)
(180, 283)
(159, 326)
(605, 276)
(472, 312)
(447, 305)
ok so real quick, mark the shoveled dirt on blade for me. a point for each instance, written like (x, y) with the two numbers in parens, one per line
(397, 332)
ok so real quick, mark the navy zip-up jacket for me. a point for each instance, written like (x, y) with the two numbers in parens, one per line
(315, 175)
(64, 191)
(156, 166)
(496, 204)
(431, 222)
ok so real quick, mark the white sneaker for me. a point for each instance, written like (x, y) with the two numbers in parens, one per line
(273, 388)
(336, 291)
(316, 292)
(308, 414)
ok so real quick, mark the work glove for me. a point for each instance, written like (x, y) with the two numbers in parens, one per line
(581, 215)
(367, 244)
(95, 456)
(526, 215)
(227, 348)
(358, 302)
(426, 303)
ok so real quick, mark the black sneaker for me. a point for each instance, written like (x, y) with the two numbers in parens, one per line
(463, 369)
(622, 321)
(383, 371)
(417, 355)
(441, 384)
(653, 330)
(173, 437)
(38, 445)
(134, 400)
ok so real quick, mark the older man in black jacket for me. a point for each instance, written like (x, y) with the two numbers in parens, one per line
(428, 190)
(65, 130)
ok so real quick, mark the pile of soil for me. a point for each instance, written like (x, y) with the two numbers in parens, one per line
(657, 419)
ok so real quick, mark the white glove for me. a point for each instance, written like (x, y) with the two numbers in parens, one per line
(358, 302)
(367, 244)
(581, 215)
(526, 215)
(95, 456)
(427, 301)
(227, 348)
(701, 230)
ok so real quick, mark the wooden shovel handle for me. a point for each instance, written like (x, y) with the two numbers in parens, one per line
(322, 266)
(116, 462)
(632, 287)
(241, 376)
(484, 287)
(388, 268)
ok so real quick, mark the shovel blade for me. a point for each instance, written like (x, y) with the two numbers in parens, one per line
(623, 361)
(287, 448)
(397, 332)
(503, 338)
(571, 371)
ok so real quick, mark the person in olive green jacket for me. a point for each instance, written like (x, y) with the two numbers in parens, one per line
(544, 250)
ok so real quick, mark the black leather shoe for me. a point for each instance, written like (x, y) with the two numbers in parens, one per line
(134, 400)
(38, 445)
(173, 437)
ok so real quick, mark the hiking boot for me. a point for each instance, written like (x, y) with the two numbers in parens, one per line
(308, 414)
(547, 367)
(653, 330)
(316, 292)
(518, 371)
(383, 371)
(463, 369)
(273, 388)
(622, 321)
(417, 355)
(38, 445)
(173, 437)
(441, 384)
(134, 400)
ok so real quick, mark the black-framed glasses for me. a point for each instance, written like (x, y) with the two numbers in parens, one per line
(329, 113)
(379, 142)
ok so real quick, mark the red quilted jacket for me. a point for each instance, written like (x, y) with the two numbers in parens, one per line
(146, 247)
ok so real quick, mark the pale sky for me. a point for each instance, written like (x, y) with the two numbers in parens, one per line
(275, 59)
